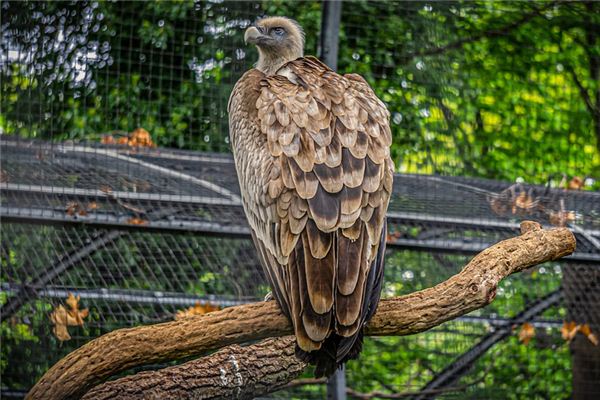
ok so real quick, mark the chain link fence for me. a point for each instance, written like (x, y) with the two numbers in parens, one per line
(145, 225)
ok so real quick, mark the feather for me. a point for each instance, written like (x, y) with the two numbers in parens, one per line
(320, 242)
(330, 178)
(322, 136)
(292, 149)
(270, 116)
(354, 231)
(320, 278)
(300, 119)
(333, 156)
(347, 220)
(288, 134)
(348, 307)
(299, 205)
(305, 183)
(349, 120)
(359, 150)
(296, 208)
(317, 326)
(354, 169)
(287, 239)
(312, 109)
(306, 155)
(372, 127)
(275, 188)
(347, 136)
(275, 149)
(296, 292)
(363, 115)
(286, 174)
(297, 224)
(372, 176)
(388, 177)
(349, 257)
(350, 330)
(325, 209)
(350, 199)
(375, 198)
(282, 213)
(377, 151)
(366, 213)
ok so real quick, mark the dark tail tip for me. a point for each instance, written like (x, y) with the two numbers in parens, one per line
(325, 362)
(334, 352)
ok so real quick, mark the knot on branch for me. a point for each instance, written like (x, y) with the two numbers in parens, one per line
(530, 226)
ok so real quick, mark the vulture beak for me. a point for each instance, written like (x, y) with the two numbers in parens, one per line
(253, 35)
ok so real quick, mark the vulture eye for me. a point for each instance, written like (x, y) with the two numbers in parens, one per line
(278, 31)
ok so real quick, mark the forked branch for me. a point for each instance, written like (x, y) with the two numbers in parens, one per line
(472, 288)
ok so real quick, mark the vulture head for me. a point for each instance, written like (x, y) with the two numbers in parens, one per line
(278, 40)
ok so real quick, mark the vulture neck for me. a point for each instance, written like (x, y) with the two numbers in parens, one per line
(269, 62)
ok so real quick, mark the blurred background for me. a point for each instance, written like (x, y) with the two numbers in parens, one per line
(120, 204)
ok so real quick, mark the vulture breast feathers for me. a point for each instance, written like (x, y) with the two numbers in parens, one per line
(311, 149)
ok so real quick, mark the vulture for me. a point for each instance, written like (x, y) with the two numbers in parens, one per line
(312, 154)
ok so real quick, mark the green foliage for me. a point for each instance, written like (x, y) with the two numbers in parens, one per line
(481, 88)
(492, 89)
(474, 88)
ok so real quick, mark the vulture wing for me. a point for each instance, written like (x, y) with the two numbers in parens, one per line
(312, 153)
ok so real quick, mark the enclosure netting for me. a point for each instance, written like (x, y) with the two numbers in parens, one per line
(142, 232)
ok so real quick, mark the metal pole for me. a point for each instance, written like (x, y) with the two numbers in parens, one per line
(336, 385)
(330, 32)
(328, 52)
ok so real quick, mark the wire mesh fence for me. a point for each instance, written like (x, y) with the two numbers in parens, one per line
(142, 229)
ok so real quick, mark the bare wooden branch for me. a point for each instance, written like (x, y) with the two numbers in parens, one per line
(234, 372)
(472, 288)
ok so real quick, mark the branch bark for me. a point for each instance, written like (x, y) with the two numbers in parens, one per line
(232, 373)
(472, 288)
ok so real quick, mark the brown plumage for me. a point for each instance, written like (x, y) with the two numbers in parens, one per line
(311, 149)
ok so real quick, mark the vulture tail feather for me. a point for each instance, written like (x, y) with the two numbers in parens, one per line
(336, 350)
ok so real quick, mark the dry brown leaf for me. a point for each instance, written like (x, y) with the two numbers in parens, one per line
(76, 315)
(576, 183)
(106, 189)
(92, 205)
(107, 139)
(523, 202)
(62, 318)
(197, 309)
(498, 206)
(3, 176)
(561, 218)
(136, 221)
(140, 138)
(569, 330)
(587, 332)
(526, 333)
(71, 208)
(59, 318)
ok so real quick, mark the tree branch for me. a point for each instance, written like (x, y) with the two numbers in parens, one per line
(587, 99)
(472, 288)
(484, 34)
(233, 372)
